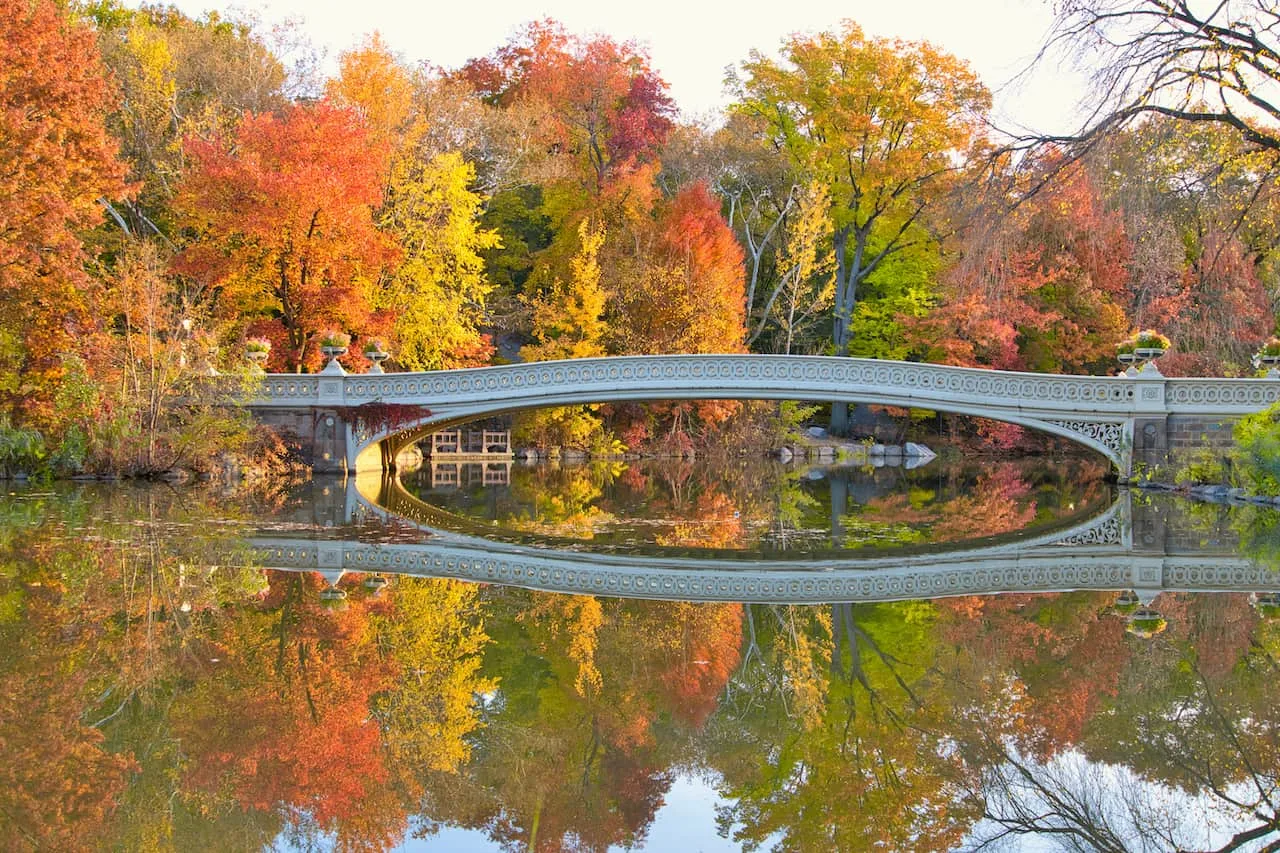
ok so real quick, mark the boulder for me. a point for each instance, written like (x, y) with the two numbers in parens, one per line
(918, 451)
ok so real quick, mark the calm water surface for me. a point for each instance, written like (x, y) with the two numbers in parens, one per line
(163, 690)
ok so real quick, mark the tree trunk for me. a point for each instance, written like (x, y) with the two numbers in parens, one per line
(843, 311)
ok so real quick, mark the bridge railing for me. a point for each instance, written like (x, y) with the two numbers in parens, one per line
(804, 377)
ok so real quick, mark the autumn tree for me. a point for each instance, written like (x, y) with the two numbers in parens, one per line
(861, 763)
(1200, 206)
(57, 167)
(372, 80)
(178, 76)
(682, 292)
(281, 218)
(674, 277)
(805, 286)
(1044, 288)
(568, 323)
(152, 408)
(435, 638)
(760, 196)
(879, 122)
(608, 109)
(437, 293)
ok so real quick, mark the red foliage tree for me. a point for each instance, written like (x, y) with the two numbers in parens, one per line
(609, 109)
(1224, 309)
(283, 224)
(679, 286)
(1046, 289)
(57, 165)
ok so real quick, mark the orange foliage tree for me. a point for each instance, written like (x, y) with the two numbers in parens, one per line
(677, 285)
(282, 218)
(1045, 289)
(294, 693)
(57, 164)
(59, 784)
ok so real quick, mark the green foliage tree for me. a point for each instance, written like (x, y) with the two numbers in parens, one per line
(881, 124)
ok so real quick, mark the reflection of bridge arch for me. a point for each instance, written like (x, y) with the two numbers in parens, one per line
(1043, 569)
(388, 499)
(1098, 412)
(1098, 553)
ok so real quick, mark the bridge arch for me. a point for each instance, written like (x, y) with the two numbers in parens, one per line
(1097, 412)
(377, 449)
(1099, 553)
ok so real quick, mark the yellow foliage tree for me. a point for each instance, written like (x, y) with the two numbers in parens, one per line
(568, 323)
(437, 295)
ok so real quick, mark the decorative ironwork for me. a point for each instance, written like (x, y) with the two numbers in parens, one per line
(1108, 435)
(1108, 531)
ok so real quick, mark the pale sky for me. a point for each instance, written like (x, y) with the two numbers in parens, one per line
(691, 42)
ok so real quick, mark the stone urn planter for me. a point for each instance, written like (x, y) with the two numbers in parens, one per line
(1269, 356)
(1266, 603)
(1140, 350)
(376, 351)
(1146, 623)
(1127, 602)
(257, 350)
(332, 345)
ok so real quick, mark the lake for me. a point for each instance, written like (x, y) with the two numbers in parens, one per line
(661, 655)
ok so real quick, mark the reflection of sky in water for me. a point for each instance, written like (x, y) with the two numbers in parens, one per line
(1130, 806)
(687, 819)
(685, 822)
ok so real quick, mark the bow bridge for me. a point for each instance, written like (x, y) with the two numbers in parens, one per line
(936, 576)
(1118, 416)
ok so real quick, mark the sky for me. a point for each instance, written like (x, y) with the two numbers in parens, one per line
(692, 42)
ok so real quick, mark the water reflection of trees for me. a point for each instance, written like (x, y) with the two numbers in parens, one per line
(152, 703)
(970, 724)
(748, 503)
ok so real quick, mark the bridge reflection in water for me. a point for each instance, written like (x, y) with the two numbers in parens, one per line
(1100, 553)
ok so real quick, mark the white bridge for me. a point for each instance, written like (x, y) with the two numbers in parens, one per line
(1100, 553)
(1112, 415)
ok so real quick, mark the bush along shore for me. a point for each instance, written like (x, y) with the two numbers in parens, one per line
(1248, 473)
